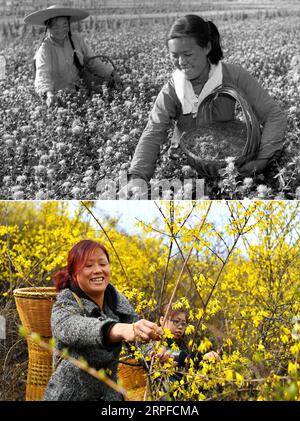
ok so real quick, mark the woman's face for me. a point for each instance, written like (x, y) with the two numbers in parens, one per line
(59, 28)
(95, 275)
(176, 324)
(187, 56)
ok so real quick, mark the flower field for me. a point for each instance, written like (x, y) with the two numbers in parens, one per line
(63, 152)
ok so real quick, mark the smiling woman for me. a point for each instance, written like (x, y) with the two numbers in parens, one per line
(195, 52)
(91, 318)
(94, 276)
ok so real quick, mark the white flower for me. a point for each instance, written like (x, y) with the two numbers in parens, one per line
(248, 181)
(230, 166)
(60, 146)
(39, 169)
(66, 185)
(263, 190)
(59, 130)
(9, 142)
(44, 159)
(230, 159)
(50, 173)
(89, 172)
(21, 179)
(76, 191)
(18, 195)
(6, 179)
(40, 195)
(188, 171)
(125, 138)
(87, 179)
(296, 328)
(77, 130)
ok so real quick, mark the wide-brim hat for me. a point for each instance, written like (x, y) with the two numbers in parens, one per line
(41, 16)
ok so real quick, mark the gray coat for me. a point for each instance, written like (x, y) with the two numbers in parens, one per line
(86, 334)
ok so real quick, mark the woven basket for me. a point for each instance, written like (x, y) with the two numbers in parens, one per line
(93, 81)
(133, 378)
(34, 306)
(208, 146)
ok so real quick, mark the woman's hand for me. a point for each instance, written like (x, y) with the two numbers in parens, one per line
(212, 355)
(136, 189)
(162, 354)
(117, 80)
(253, 166)
(143, 330)
(51, 99)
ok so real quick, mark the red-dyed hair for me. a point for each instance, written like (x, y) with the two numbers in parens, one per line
(77, 258)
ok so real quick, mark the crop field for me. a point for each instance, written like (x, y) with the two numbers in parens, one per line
(63, 152)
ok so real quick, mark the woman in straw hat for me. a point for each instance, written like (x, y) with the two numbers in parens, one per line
(195, 51)
(91, 318)
(61, 54)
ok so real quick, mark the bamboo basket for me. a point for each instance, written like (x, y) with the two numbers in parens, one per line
(93, 81)
(34, 306)
(236, 138)
(133, 377)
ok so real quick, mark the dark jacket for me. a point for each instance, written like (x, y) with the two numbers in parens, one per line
(167, 108)
(86, 334)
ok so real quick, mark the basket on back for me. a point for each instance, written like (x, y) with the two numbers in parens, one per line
(34, 306)
(209, 145)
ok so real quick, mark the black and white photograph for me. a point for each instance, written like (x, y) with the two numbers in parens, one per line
(149, 99)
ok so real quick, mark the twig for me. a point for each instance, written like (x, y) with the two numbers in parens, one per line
(184, 265)
(80, 364)
(108, 238)
(181, 253)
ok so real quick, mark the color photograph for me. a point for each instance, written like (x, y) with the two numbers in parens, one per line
(199, 301)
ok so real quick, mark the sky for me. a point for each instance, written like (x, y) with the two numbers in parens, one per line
(129, 212)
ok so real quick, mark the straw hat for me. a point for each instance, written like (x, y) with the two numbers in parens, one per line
(41, 16)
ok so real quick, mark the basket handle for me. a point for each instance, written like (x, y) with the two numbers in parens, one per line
(131, 364)
(101, 57)
(253, 129)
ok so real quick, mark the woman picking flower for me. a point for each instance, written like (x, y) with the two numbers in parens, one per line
(195, 51)
(61, 55)
(91, 319)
